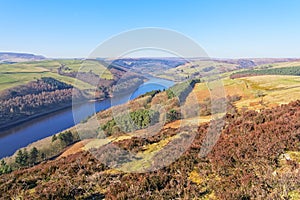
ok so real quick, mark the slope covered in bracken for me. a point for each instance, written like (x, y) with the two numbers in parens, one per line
(256, 157)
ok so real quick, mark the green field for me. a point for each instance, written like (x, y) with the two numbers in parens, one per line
(16, 74)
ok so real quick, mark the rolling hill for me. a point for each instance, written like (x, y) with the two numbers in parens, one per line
(256, 156)
(10, 57)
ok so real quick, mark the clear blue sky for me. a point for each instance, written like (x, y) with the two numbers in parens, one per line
(224, 28)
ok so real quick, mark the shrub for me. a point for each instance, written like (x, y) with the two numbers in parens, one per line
(66, 137)
(173, 115)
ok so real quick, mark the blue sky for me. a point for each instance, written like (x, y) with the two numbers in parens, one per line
(224, 28)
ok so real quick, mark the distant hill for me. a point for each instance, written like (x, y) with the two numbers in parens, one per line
(10, 57)
(250, 62)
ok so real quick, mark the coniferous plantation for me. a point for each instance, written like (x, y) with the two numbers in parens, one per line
(35, 97)
(292, 71)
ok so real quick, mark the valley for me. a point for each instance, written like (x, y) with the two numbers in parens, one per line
(170, 129)
(150, 100)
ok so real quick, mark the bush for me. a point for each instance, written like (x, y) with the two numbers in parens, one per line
(4, 168)
(173, 115)
(66, 137)
(54, 138)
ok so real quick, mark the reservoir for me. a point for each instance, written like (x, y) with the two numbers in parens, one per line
(50, 124)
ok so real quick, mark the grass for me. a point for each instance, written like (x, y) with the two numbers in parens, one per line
(195, 177)
(16, 79)
(69, 80)
(280, 65)
(97, 143)
(145, 156)
(21, 68)
(295, 155)
(294, 195)
(73, 65)
(93, 66)
(16, 74)
(187, 70)
(277, 90)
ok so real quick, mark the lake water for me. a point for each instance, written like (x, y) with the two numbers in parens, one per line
(50, 124)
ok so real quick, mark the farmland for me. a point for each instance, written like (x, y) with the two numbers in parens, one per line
(12, 75)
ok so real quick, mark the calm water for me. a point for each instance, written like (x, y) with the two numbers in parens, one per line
(36, 129)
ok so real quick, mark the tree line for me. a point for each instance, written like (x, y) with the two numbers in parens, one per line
(295, 71)
(182, 90)
(25, 158)
(34, 98)
(45, 84)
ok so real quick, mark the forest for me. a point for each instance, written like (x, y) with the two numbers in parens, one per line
(34, 98)
(294, 71)
(136, 120)
(182, 90)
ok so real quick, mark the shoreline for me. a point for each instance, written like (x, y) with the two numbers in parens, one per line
(18, 125)
(10, 125)
(7, 126)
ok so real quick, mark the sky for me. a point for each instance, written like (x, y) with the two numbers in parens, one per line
(223, 28)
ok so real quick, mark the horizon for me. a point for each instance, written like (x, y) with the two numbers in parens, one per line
(147, 57)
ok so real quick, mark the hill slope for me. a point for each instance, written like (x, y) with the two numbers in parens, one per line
(257, 156)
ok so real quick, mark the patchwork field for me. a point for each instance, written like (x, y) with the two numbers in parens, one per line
(12, 75)
(196, 68)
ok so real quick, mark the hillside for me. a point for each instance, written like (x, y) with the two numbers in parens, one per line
(157, 140)
(256, 156)
(9, 57)
(30, 89)
(197, 68)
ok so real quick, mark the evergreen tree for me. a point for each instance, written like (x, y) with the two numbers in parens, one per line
(19, 157)
(43, 156)
(4, 168)
(3, 163)
(54, 138)
(25, 157)
(66, 137)
(33, 155)
(22, 158)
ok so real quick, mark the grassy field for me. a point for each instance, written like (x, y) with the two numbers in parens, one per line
(280, 65)
(16, 79)
(257, 92)
(196, 68)
(12, 75)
